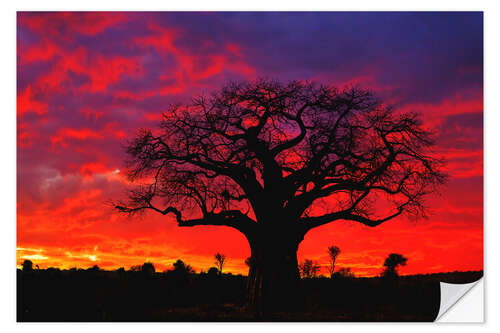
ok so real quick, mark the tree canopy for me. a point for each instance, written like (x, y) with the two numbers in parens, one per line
(392, 263)
(333, 252)
(314, 153)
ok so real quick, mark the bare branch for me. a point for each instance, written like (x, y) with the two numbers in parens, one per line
(258, 147)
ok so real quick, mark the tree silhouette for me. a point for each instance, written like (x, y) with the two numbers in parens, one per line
(219, 261)
(181, 267)
(136, 268)
(213, 272)
(333, 252)
(309, 269)
(248, 262)
(263, 157)
(27, 265)
(148, 268)
(391, 264)
(345, 272)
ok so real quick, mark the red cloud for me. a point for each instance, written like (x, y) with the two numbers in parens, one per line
(162, 39)
(54, 81)
(105, 71)
(45, 50)
(191, 67)
(27, 102)
(64, 134)
(101, 72)
(69, 133)
(436, 112)
(25, 136)
(65, 24)
(234, 48)
(91, 113)
(91, 168)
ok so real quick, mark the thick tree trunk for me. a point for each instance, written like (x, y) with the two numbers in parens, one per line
(273, 280)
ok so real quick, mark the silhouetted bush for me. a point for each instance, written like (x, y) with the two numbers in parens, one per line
(213, 272)
(27, 266)
(392, 263)
(308, 269)
(148, 268)
(344, 272)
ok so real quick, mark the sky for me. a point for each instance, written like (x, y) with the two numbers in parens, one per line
(87, 81)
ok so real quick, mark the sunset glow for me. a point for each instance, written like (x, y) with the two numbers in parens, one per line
(87, 81)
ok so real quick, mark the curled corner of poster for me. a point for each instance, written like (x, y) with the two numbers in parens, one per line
(461, 303)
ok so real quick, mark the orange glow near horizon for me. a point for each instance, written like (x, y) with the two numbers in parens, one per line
(88, 81)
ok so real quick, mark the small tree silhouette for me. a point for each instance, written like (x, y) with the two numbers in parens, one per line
(333, 252)
(248, 262)
(213, 272)
(345, 272)
(181, 267)
(148, 268)
(181, 274)
(136, 268)
(27, 266)
(219, 261)
(392, 263)
(308, 269)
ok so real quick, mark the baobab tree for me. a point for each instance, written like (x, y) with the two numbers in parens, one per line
(275, 160)
(333, 252)
(220, 259)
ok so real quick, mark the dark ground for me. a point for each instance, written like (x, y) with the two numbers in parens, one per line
(94, 295)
